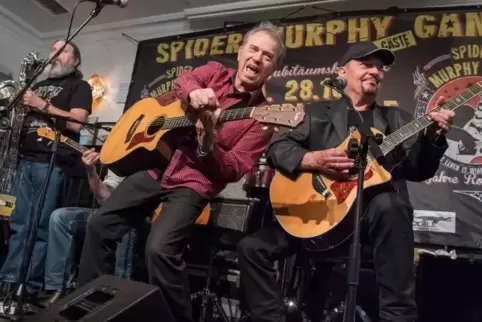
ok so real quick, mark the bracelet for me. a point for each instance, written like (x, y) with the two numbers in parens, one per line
(46, 107)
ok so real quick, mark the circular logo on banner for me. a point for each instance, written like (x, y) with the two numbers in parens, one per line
(449, 77)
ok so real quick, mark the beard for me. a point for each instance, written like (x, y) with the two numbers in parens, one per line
(369, 90)
(57, 70)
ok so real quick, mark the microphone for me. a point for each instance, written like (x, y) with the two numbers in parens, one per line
(101, 126)
(107, 129)
(120, 3)
(336, 82)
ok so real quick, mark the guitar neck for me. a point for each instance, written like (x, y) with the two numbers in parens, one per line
(420, 124)
(225, 116)
(74, 145)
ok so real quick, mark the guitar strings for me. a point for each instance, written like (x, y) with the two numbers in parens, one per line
(424, 121)
(180, 121)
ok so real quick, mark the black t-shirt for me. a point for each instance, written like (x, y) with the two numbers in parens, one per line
(64, 93)
(352, 120)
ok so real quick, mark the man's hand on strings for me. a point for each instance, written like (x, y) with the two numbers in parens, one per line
(442, 120)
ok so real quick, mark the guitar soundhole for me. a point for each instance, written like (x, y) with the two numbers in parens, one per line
(156, 125)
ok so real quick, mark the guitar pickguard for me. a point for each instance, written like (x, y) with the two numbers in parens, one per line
(133, 128)
(342, 189)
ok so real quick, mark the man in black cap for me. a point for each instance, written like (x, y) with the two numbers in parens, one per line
(387, 218)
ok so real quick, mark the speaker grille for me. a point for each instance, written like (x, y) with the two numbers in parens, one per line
(234, 214)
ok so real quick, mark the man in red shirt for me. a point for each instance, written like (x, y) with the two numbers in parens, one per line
(200, 168)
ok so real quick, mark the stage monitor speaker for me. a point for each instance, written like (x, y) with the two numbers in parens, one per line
(108, 298)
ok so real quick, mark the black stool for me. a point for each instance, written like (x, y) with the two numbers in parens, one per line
(230, 220)
(294, 277)
(366, 264)
(308, 265)
(206, 294)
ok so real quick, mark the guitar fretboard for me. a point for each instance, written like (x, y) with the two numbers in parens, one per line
(418, 125)
(185, 121)
(75, 145)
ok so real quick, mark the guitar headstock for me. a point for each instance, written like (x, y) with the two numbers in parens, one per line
(285, 115)
(48, 133)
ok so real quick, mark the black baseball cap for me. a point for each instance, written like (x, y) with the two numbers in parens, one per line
(365, 49)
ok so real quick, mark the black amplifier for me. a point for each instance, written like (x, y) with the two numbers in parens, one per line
(234, 214)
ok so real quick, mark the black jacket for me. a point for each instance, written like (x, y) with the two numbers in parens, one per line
(325, 126)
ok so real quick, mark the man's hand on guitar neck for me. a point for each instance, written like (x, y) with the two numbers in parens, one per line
(332, 162)
(90, 159)
(442, 120)
(100, 190)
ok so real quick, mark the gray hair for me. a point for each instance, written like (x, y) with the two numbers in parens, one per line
(274, 32)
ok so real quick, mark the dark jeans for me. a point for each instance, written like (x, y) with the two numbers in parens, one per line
(27, 187)
(66, 235)
(388, 230)
(134, 199)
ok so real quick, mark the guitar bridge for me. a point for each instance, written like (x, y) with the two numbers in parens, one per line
(320, 186)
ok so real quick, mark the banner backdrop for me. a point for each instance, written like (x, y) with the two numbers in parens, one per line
(436, 54)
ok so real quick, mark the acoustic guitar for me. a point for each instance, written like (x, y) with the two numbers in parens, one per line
(47, 133)
(316, 208)
(145, 135)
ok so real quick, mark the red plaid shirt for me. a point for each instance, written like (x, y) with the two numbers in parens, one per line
(239, 144)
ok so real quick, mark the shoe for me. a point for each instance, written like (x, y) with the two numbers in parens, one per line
(51, 298)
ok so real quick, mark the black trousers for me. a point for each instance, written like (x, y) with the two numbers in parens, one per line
(134, 199)
(387, 228)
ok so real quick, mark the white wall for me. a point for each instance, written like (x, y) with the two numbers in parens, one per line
(15, 44)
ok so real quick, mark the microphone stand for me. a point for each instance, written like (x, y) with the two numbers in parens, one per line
(20, 286)
(367, 141)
